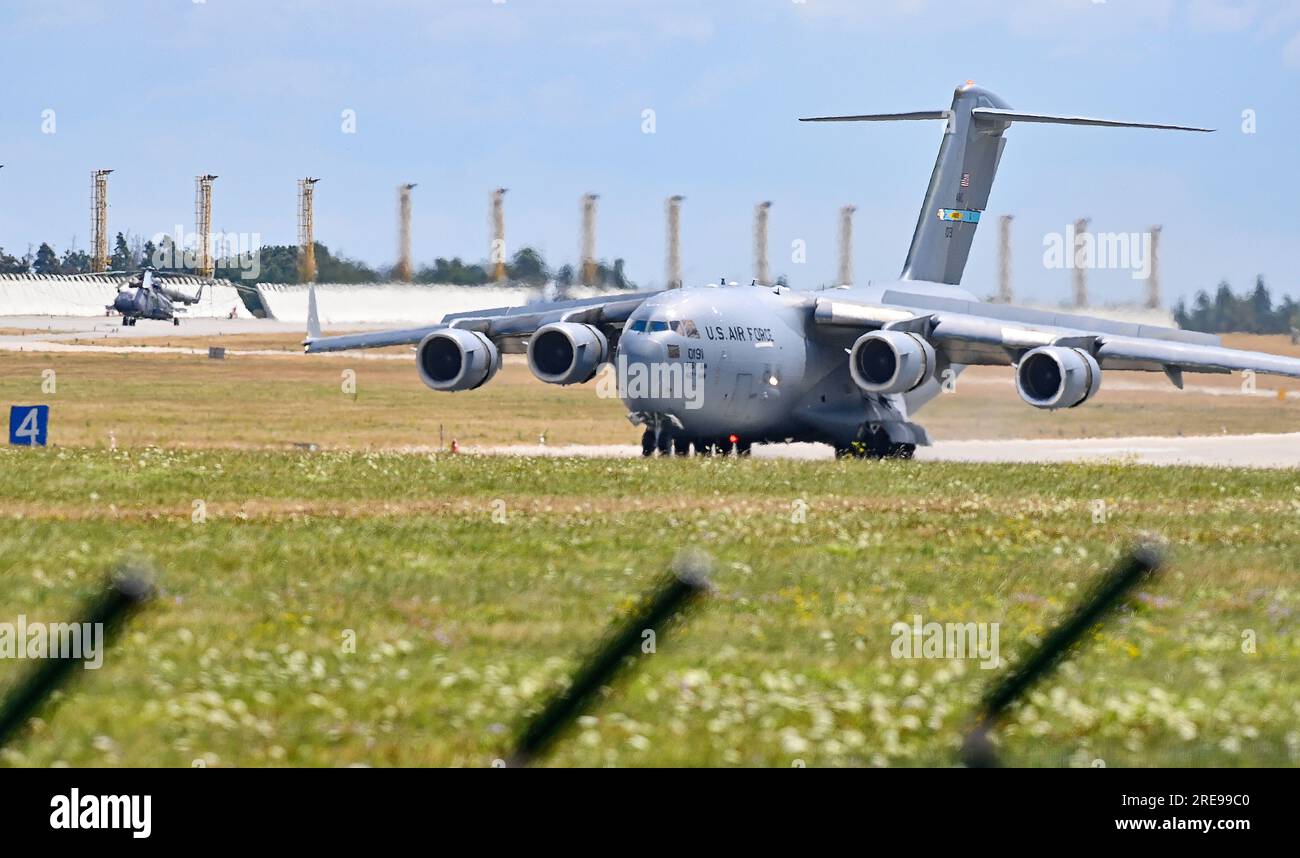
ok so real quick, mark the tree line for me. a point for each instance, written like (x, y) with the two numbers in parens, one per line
(281, 264)
(1252, 312)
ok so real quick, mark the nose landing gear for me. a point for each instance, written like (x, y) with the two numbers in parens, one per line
(666, 441)
(662, 435)
(666, 436)
(670, 441)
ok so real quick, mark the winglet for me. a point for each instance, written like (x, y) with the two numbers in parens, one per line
(313, 318)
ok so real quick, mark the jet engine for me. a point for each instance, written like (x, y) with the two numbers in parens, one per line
(454, 359)
(567, 352)
(1057, 377)
(887, 362)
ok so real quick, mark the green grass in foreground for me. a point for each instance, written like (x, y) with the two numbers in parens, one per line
(463, 624)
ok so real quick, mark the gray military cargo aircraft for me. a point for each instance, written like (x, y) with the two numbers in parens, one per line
(719, 368)
(145, 297)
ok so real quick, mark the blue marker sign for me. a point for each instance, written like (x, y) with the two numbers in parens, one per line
(28, 425)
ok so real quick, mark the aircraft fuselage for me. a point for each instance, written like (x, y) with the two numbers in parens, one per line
(742, 361)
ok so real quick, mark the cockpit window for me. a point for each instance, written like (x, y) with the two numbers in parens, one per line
(684, 327)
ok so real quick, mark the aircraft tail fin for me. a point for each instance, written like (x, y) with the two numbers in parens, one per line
(963, 175)
(313, 318)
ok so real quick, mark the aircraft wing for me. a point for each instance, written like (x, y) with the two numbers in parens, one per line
(508, 327)
(977, 333)
(372, 340)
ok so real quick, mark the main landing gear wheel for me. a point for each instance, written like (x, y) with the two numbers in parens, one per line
(665, 440)
(875, 445)
(648, 443)
(682, 446)
(176, 321)
(878, 444)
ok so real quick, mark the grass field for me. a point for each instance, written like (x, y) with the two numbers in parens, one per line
(462, 624)
(276, 401)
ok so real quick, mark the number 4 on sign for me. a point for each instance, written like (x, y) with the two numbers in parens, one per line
(28, 425)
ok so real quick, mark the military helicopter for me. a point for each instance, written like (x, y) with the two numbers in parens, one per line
(145, 297)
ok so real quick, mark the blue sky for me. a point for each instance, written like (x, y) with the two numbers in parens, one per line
(546, 97)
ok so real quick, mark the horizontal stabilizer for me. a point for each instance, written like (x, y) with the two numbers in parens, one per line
(883, 117)
(994, 114)
(964, 169)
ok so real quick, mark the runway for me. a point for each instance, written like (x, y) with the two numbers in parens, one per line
(103, 335)
(1226, 451)
(53, 333)
(52, 328)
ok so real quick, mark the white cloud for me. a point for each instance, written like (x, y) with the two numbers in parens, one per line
(1281, 18)
(685, 26)
(1029, 18)
(1291, 53)
(1069, 26)
(716, 82)
(1222, 16)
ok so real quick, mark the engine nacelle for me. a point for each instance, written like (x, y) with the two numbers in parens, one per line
(567, 352)
(887, 362)
(454, 359)
(1057, 377)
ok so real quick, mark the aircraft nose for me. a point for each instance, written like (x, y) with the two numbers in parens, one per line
(122, 303)
(653, 378)
(640, 348)
(638, 357)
